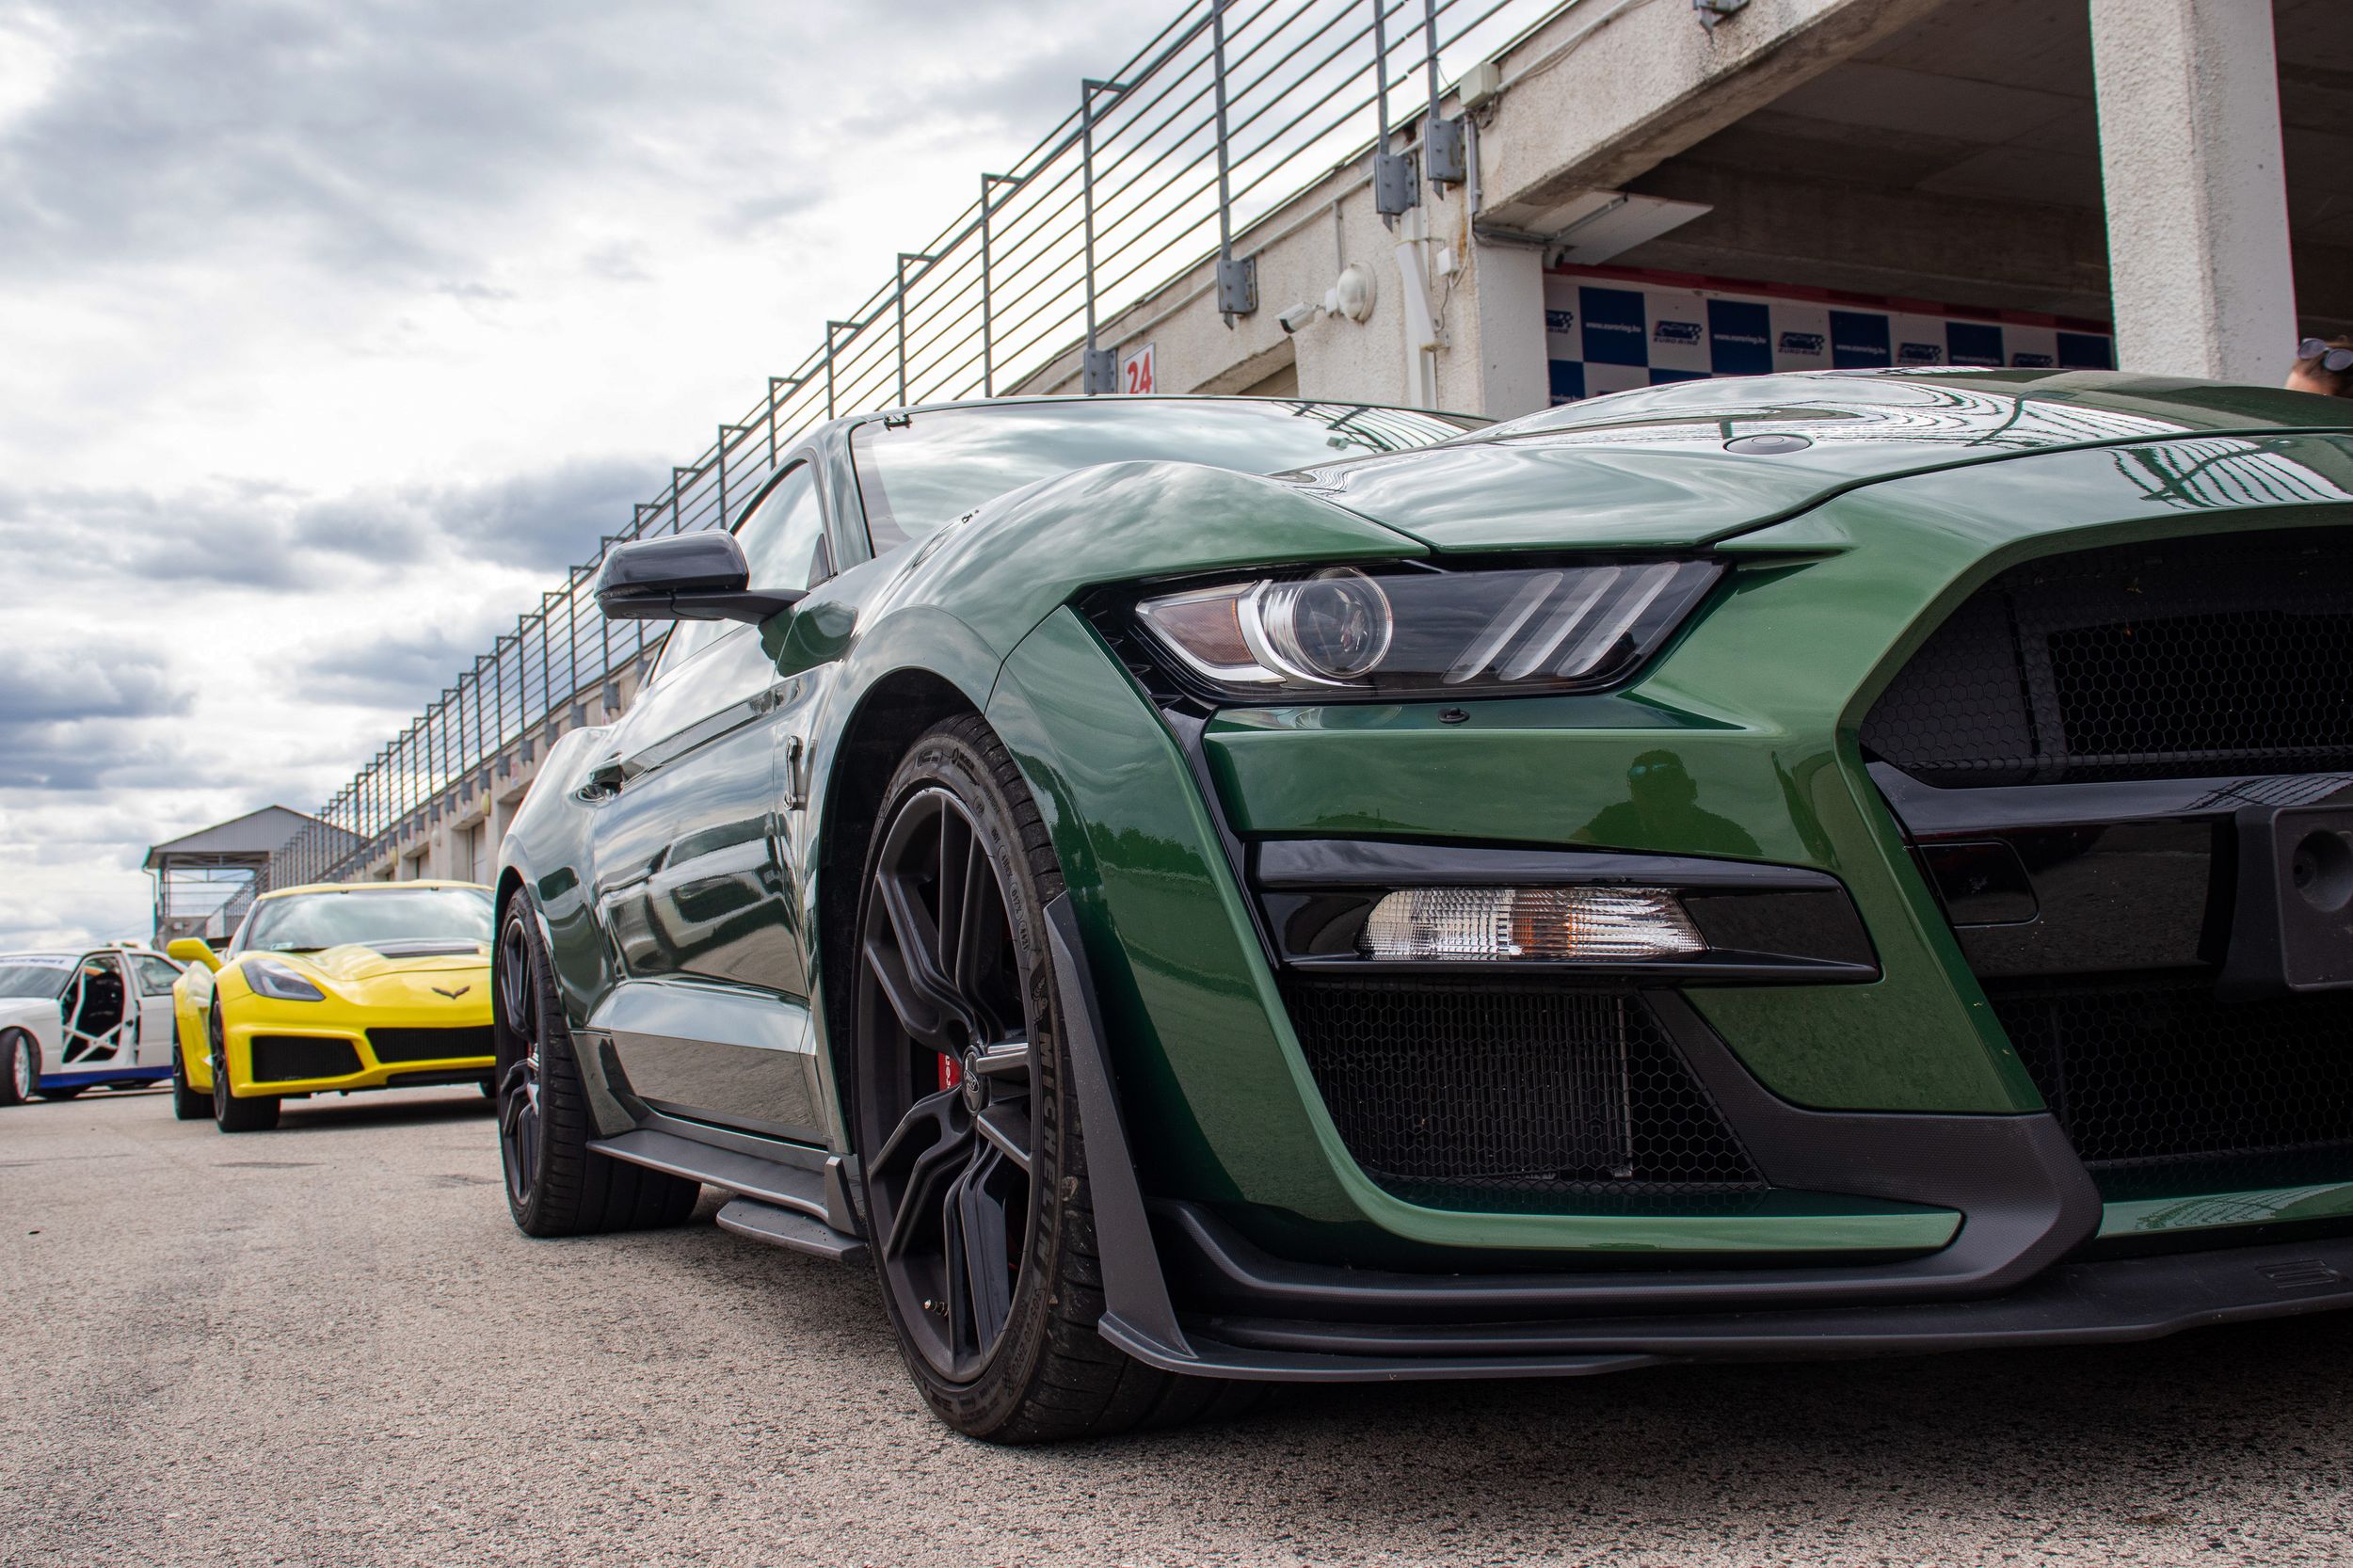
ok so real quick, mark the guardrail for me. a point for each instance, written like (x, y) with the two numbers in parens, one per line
(1228, 111)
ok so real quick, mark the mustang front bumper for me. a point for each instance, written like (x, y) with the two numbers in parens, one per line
(1186, 1293)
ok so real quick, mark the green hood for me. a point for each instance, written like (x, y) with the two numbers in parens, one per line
(1662, 468)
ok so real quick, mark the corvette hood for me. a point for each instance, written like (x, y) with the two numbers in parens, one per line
(1681, 465)
(359, 963)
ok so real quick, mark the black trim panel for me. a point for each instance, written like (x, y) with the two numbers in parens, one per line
(1763, 923)
(2116, 1301)
(1309, 863)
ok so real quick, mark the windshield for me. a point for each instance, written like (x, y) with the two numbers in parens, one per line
(925, 471)
(308, 922)
(34, 975)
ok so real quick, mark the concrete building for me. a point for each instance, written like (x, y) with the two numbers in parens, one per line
(205, 881)
(2166, 185)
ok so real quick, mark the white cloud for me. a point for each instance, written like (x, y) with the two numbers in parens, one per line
(334, 327)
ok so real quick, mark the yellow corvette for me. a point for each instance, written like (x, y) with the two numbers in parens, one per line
(331, 989)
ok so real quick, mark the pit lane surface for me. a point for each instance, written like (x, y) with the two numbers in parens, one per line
(328, 1345)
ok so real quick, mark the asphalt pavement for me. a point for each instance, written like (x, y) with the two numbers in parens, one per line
(328, 1345)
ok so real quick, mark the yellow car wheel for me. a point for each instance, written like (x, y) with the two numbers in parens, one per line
(188, 1104)
(230, 1114)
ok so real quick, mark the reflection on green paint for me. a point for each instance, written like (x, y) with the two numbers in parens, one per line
(1662, 807)
(2217, 1210)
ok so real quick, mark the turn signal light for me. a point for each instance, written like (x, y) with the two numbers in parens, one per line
(1554, 924)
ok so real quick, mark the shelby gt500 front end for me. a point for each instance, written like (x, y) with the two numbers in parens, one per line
(1917, 921)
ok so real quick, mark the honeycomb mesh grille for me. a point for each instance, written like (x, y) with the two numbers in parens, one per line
(1461, 1093)
(2163, 1087)
(428, 1045)
(2172, 660)
(285, 1058)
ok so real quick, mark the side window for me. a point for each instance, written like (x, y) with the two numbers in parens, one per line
(784, 538)
(686, 639)
(156, 975)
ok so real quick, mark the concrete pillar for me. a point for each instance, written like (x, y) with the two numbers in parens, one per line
(2198, 208)
(1499, 339)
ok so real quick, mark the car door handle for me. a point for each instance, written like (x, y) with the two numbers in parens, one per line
(795, 773)
(604, 780)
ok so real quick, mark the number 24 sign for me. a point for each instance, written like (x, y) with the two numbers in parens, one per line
(1135, 371)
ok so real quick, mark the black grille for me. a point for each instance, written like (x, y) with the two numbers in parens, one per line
(2172, 660)
(1474, 1095)
(2166, 1088)
(428, 1045)
(283, 1058)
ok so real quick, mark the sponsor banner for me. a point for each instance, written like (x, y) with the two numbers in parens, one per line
(1609, 333)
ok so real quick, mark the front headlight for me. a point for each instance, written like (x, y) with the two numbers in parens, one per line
(1419, 634)
(279, 983)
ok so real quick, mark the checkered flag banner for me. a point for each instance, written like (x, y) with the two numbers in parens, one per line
(1610, 330)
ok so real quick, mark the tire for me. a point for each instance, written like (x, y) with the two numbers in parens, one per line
(557, 1185)
(1013, 1360)
(187, 1104)
(230, 1114)
(19, 1067)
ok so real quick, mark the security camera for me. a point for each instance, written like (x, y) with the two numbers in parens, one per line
(1298, 315)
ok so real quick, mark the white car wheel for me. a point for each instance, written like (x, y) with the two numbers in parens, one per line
(22, 1068)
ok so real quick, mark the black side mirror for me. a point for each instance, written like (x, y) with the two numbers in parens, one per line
(684, 577)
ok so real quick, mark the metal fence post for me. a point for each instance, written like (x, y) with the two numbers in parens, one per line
(1442, 145)
(722, 460)
(829, 331)
(988, 305)
(900, 299)
(791, 383)
(1237, 282)
(1098, 369)
(547, 660)
(1393, 191)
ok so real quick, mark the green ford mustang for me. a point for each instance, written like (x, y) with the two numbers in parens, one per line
(1202, 892)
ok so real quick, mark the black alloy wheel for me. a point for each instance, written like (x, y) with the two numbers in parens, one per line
(977, 1210)
(230, 1114)
(516, 1000)
(19, 1067)
(556, 1183)
(949, 1067)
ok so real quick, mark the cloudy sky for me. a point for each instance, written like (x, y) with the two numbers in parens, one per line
(331, 331)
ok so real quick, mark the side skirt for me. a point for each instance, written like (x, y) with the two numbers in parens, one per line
(789, 1196)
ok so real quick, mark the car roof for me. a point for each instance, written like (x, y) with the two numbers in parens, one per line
(365, 888)
(847, 422)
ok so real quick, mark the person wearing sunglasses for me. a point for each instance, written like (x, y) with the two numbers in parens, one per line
(2322, 366)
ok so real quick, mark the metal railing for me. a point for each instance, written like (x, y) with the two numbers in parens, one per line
(1227, 113)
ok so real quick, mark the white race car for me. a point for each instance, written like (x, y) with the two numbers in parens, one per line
(69, 1022)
